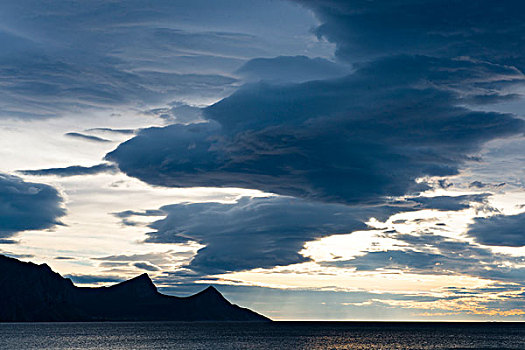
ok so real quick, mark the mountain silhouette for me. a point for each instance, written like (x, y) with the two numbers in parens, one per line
(35, 293)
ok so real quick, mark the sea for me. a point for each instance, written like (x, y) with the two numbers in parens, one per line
(274, 335)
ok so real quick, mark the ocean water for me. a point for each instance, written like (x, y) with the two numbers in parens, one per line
(277, 335)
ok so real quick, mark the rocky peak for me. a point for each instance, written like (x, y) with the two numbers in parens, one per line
(140, 286)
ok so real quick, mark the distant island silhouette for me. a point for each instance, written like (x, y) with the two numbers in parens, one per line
(35, 293)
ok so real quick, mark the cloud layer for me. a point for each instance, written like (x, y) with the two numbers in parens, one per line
(64, 58)
(254, 232)
(352, 140)
(439, 255)
(499, 230)
(364, 30)
(74, 170)
(409, 110)
(268, 231)
(27, 206)
(290, 69)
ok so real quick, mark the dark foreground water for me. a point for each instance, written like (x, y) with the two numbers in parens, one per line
(278, 335)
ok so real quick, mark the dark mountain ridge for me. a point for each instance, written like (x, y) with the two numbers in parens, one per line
(35, 293)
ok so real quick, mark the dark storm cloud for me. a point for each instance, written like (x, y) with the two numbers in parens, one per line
(358, 140)
(499, 230)
(363, 30)
(351, 140)
(268, 232)
(290, 69)
(27, 206)
(254, 232)
(74, 170)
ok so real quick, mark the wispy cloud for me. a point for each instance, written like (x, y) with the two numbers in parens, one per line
(86, 137)
(74, 170)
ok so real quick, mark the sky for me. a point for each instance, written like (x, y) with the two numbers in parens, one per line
(313, 160)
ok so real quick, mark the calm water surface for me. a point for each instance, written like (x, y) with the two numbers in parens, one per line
(278, 335)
